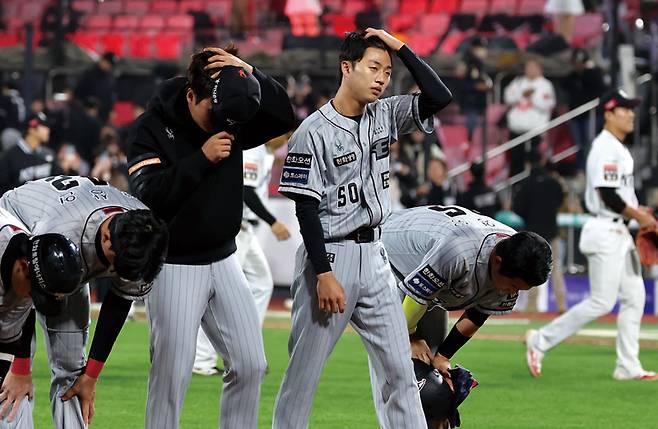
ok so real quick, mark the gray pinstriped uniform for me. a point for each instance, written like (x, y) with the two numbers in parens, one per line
(345, 166)
(440, 256)
(74, 207)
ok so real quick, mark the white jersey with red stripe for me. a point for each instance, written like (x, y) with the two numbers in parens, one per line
(75, 207)
(257, 170)
(441, 254)
(609, 165)
(13, 308)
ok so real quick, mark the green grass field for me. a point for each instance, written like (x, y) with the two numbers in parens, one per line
(575, 391)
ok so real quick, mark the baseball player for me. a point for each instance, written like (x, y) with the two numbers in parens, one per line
(614, 266)
(39, 271)
(257, 171)
(187, 167)
(451, 258)
(118, 238)
(337, 171)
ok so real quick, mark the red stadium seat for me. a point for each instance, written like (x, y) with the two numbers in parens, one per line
(186, 6)
(474, 7)
(8, 40)
(531, 7)
(333, 5)
(136, 7)
(340, 24)
(412, 6)
(152, 23)
(453, 40)
(123, 113)
(86, 39)
(352, 7)
(179, 23)
(31, 10)
(126, 22)
(446, 6)
(139, 45)
(219, 9)
(97, 22)
(15, 24)
(435, 24)
(109, 7)
(168, 46)
(503, 6)
(113, 42)
(164, 7)
(86, 6)
(402, 22)
(587, 27)
(422, 44)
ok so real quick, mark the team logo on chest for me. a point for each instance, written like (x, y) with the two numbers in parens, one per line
(380, 148)
(170, 133)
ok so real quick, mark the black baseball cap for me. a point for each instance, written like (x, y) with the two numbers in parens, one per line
(110, 57)
(235, 98)
(36, 119)
(617, 98)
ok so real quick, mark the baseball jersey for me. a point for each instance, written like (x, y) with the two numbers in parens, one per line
(609, 165)
(344, 164)
(257, 169)
(440, 254)
(75, 207)
(13, 308)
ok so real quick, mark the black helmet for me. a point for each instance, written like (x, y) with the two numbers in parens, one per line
(55, 269)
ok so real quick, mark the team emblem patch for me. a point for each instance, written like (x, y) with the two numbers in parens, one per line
(250, 171)
(331, 257)
(385, 179)
(381, 148)
(298, 160)
(339, 161)
(294, 175)
(610, 172)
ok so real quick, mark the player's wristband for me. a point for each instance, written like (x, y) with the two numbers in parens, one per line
(94, 368)
(453, 342)
(21, 366)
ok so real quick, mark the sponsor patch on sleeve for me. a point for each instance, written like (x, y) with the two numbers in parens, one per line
(294, 175)
(610, 172)
(426, 282)
(298, 160)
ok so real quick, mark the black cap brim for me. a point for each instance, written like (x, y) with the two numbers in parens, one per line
(46, 304)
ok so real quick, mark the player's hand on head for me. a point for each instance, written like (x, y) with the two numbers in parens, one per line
(222, 59)
(85, 389)
(331, 295)
(218, 146)
(280, 231)
(15, 389)
(420, 350)
(391, 41)
(442, 364)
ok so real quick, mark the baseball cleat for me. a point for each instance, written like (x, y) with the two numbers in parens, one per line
(206, 371)
(533, 355)
(644, 375)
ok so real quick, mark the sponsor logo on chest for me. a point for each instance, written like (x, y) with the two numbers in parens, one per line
(341, 160)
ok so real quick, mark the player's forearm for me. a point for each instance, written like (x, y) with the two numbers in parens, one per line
(21, 364)
(306, 209)
(468, 324)
(255, 204)
(111, 318)
(413, 312)
(275, 116)
(614, 202)
(434, 95)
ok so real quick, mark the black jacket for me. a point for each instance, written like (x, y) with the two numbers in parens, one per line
(200, 201)
(537, 201)
(481, 198)
(20, 164)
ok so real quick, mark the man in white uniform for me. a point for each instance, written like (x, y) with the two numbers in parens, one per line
(614, 266)
(257, 171)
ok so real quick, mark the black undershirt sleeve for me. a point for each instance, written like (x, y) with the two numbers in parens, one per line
(113, 314)
(612, 199)
(24, 345)
(434, 95)
(310, 226)
(476, 317)
(254, 203)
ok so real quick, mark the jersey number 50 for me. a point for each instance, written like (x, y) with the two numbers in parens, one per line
(350, 191)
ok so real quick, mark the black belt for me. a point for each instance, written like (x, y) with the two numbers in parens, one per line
(361, 235)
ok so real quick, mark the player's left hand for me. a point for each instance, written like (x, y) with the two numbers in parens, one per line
(85, 389)
(223, 58)
(420, 350)
(15, 388)
(280, 231)
(442, 364)
(391, 41)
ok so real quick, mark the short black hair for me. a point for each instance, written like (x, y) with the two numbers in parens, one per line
(525, 255)
(354, 46)
(140, 241)
(477, 170)
(198, 77)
